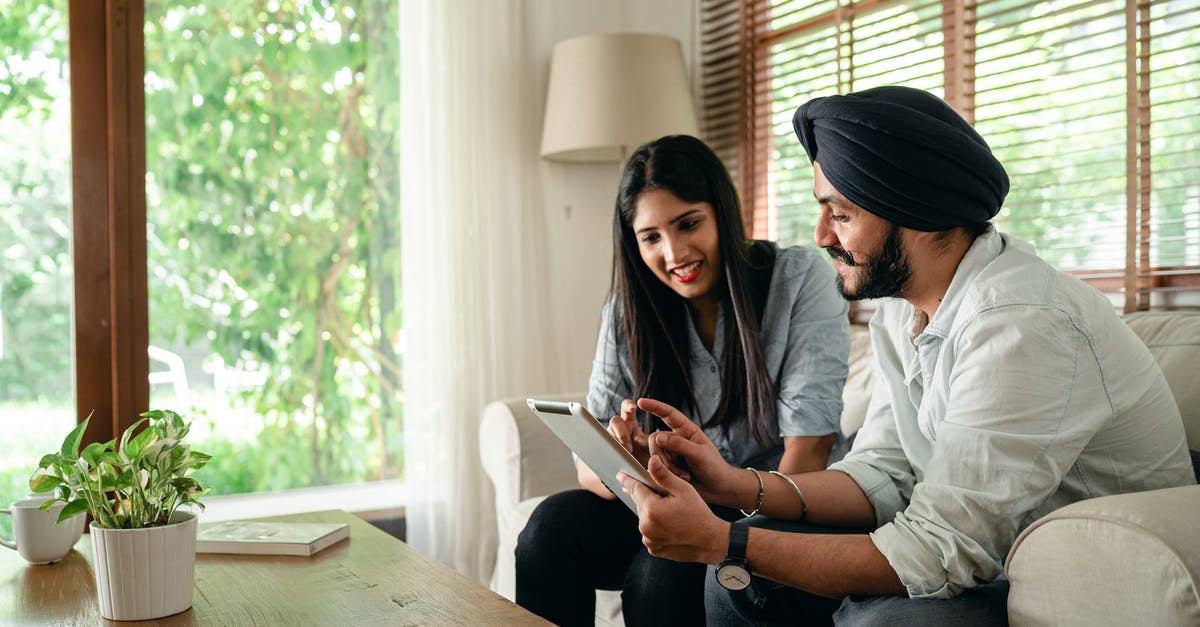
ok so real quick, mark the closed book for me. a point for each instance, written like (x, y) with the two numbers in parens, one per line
(268, 538)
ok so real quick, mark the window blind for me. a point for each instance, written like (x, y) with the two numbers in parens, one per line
(1085, 102)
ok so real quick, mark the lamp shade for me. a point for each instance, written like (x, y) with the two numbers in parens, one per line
(610, 93)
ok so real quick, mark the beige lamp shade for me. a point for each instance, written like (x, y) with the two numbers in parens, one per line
(610, 93)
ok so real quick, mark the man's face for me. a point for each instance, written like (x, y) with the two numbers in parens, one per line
(867, 250)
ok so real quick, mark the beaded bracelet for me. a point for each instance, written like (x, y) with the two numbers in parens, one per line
(803, 503)
(757, 505)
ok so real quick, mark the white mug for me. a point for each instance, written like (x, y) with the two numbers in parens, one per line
(36, 537)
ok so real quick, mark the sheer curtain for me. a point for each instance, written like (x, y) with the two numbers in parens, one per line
(474, 255)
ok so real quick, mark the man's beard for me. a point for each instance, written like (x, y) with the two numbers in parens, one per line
(882, 277)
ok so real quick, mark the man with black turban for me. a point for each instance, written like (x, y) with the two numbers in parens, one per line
(1003, 390)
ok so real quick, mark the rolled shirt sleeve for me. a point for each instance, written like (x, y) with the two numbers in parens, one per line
(815, 349)
(608, 384)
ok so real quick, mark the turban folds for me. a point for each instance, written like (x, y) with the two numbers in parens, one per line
(904, 155)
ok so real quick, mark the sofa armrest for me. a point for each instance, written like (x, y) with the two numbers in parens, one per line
(1129, 559)
(520, 455)
(524, 461)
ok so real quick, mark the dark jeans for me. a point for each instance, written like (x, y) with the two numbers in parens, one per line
(769, 603)
(576, 542)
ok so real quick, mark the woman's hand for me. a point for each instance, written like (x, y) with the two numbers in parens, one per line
(592, 483)
(626, 430)
(686, 446)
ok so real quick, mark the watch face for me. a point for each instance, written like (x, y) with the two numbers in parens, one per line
(733, 576)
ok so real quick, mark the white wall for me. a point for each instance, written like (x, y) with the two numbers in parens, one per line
(579, 198)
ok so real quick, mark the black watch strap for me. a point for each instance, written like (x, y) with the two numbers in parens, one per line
(739, 533)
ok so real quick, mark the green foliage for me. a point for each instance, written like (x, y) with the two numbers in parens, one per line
(35, 259)
(137, 483)
(272, 182)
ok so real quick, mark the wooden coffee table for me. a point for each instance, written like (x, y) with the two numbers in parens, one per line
(370, 579)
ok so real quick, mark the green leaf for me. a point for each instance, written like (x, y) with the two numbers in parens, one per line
(198, 459)
(93, 453)
(124, 480)
(72, 508)
(131, 446)
(70, 446)
(44, 483)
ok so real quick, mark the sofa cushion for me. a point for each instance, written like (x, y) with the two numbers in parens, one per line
(857, 392)
(1174, 340)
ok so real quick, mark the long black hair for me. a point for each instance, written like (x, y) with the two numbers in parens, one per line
(652, 313)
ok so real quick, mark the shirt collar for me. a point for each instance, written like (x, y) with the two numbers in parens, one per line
(694, 335)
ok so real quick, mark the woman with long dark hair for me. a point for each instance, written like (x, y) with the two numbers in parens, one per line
(750, 338)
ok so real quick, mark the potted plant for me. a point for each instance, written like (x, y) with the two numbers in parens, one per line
(144, 545)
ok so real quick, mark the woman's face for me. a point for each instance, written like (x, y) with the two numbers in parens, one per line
(679, 243)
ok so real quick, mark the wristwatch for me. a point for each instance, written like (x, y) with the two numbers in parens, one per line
(734, 572)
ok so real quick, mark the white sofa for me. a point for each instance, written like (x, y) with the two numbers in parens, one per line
(1129, 559)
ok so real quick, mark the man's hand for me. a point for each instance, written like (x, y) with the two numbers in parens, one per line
(686, 446)
(678, 526)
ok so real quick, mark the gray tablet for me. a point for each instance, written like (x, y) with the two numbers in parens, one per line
(584, 435)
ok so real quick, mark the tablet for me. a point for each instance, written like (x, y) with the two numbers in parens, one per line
(584, 435)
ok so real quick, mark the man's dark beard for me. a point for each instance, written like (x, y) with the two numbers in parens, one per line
(882, 277)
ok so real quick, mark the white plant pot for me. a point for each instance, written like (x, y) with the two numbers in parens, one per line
(145, 573)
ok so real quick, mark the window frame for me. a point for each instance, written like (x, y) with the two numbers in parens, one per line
(108, 164)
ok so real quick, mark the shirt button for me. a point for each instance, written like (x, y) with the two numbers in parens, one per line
(712, 368)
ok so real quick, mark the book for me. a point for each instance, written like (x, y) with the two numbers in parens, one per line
(268, 538)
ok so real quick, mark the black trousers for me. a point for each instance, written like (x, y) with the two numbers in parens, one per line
(576, 542)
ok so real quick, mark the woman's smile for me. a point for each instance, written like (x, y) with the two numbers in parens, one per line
(687, 273)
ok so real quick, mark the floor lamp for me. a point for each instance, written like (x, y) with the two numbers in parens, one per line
(609, 93)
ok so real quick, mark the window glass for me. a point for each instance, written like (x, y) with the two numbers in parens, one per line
(37, 407)
(1050, 101)
(273, 237)
(1175, 135)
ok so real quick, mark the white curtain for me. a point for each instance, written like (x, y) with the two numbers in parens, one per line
(474, 255)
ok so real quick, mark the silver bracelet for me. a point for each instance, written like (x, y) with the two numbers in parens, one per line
(803, 503)
(757, 505)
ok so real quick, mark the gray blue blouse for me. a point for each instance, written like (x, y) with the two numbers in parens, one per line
(806, 342)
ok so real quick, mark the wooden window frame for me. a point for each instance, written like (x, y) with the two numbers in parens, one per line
(108, 162)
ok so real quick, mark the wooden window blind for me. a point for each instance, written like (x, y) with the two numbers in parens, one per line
(1086, 102)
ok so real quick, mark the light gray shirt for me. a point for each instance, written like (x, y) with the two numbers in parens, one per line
(806, 342)
(1024, 393)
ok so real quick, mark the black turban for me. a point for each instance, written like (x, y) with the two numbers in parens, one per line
(904, 155)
